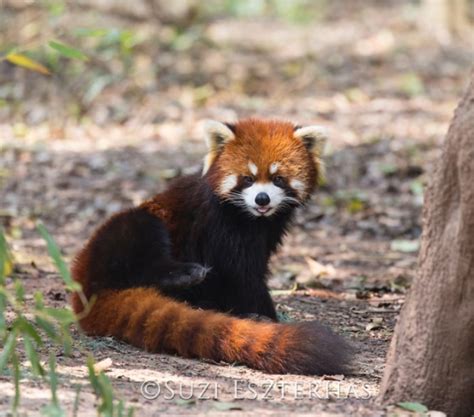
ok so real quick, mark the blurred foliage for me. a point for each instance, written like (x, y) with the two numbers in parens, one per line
(294, 11)
(34, 329)
(354, 201)
(88, 55)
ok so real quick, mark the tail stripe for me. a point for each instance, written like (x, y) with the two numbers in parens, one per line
(157, 327)
(145, 318)
(194, 345)
(178, 336)
(133, 324)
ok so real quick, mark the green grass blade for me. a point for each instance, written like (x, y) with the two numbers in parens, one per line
(53, 379)
(68, 51)
(49, 328)
(8, 349)
(55, 254)
(63, 315)
(32, 356)
(16, 378)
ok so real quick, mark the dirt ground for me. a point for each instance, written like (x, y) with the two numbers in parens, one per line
(385, 90)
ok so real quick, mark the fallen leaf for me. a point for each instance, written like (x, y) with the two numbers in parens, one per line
(103, 365)
(68, 51)
(318, 269)
(26, 62)
(185, 403)
(412, 406)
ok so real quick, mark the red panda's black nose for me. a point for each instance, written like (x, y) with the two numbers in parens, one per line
(262, 199)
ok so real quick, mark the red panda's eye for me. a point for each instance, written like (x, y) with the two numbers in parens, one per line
(278, 181)
(248, 180)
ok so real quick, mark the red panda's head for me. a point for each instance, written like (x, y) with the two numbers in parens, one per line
(263, 166)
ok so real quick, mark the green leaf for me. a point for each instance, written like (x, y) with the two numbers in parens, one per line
(55, 253)
(16, 378)
(92, 376)
(106, 396)
(66, 339)
(53, 379)
(22, 60)
(68, 51)
(410, 406)
(39, 301)
(6, 262)
(3, 323)
(8, 349)
(63, 315)
(411, 84)
(120, 409)
(185, 402)
(75, 407)
(406, 246)
(95, 33)
(53, 410)
(28, 329)
(19, 291)
(355, 205)
(32, 356)
(48, 328)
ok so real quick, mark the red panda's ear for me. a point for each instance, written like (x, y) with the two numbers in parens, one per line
(217, 134)
(314, 138)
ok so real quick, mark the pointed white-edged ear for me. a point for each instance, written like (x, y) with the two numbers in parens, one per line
(314, 138)
(217, 134)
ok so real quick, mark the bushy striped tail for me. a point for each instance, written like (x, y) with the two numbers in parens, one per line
(146, 319)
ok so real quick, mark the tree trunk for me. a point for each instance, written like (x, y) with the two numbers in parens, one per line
(431, 356)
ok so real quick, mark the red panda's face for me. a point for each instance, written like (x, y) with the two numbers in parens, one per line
(263, 166)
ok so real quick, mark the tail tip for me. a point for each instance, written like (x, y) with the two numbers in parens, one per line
(316, 350)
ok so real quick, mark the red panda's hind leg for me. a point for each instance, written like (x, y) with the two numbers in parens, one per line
(133, 249)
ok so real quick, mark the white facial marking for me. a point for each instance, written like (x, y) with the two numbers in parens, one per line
(253, 168)
(297, 185)
(275, 193)
(228, 183)
(274, 168)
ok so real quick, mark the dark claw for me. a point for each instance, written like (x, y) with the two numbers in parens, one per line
(197, 273)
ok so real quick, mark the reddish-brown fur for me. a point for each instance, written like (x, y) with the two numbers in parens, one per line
(276, 144)
(156, 323)
(145, 317)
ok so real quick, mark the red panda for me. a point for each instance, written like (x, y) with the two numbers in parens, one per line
(185, 272)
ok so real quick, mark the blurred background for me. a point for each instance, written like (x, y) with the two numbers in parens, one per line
(100, 103)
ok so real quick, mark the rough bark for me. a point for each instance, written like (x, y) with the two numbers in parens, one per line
(431, 356)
